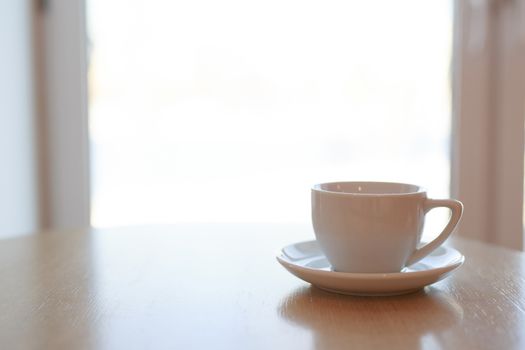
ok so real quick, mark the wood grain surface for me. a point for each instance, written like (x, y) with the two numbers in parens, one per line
(220, 287)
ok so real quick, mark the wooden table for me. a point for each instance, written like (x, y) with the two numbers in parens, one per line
(220, 287)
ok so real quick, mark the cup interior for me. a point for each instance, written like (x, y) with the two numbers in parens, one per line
(371, 188)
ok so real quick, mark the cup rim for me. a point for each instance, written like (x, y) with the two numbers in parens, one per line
(420, 189)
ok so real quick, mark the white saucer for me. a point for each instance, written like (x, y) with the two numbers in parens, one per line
(306, 261)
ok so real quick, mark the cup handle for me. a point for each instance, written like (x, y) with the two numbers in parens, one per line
(456, 207)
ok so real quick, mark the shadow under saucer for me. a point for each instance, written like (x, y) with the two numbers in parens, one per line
(406, 321)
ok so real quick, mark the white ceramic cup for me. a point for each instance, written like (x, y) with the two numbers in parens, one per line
(375, 227)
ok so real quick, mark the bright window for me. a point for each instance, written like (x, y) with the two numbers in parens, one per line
(228, 111)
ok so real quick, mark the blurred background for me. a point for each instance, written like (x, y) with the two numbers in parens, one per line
(155, 112)
(231, 110)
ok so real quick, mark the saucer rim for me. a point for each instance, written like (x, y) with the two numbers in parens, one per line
(370, 276)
